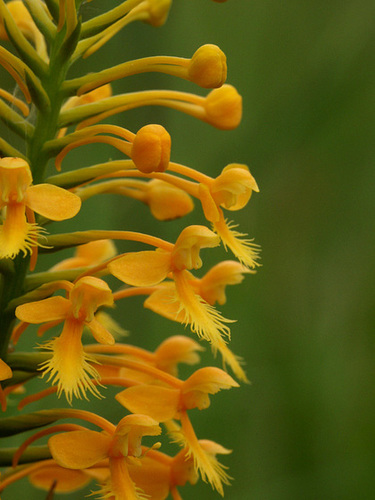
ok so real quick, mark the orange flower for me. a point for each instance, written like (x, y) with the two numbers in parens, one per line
(231, 190)
(19, 232)
(80, 450)
(149, 268)
(164, 300)
(165, 403)
(69, 365)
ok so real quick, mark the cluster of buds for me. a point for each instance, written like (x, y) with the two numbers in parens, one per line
(54, 115)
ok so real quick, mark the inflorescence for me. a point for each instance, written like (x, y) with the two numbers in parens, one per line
(52, 115)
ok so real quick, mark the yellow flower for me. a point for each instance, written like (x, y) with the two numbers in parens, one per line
(80, 450)
(199, 312)
(231, 190)
(164, 404)
(19, 200)
(69, 367)
(148, 268)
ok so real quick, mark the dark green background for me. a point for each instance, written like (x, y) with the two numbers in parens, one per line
(304, 429)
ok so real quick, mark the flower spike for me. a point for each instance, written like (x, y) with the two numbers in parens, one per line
(61, 109)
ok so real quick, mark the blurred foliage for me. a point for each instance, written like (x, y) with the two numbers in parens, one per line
(305, 427)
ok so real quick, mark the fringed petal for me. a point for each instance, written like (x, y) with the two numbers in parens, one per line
(16, 234)
(69, 367)
(204, 319)
(209, 468)
(243, 248)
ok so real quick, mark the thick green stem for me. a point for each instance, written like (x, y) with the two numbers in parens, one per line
(12, 277)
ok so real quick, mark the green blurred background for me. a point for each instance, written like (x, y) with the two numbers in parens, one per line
(304, 428)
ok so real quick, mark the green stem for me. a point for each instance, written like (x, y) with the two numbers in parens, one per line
(33, 454)
(12, 282)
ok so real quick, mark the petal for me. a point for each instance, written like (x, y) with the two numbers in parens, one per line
(67, 480)
(120, 485)
(41, 311)
(152, 477)
(142, 268)
(52, 202)
(243, 248)
(70, 367)
(100, 333)
(5, 371)
(164, 301)
(210, 380)
(159, 403)
(79, 449)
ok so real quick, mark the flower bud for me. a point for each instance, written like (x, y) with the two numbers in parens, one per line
(208, 67)
(167, 202)
(151, 149)
(158, 11)
(223, 107)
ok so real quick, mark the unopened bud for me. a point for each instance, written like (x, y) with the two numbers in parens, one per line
(151, 149)
(167, 202)
(208, 67)
(224, 107)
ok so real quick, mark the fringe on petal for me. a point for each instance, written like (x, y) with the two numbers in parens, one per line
(69, 367)
(243, 248)
(204, 320)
